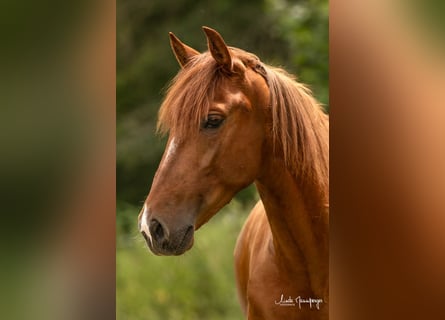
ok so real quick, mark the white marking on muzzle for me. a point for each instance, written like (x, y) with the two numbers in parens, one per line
(144, 225)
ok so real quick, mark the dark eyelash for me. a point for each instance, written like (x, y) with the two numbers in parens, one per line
(213, 122)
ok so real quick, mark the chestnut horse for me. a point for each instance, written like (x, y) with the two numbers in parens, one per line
(232, 121)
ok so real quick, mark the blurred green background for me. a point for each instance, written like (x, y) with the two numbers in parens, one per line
(291, 34)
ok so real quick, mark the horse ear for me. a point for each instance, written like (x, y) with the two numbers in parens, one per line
(182, 51)
(218, 48)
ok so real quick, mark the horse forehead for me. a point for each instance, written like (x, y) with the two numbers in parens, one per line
(244, 94)
(230, 99)
(237, 97)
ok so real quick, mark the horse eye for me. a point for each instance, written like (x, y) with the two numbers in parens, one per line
(213, 122)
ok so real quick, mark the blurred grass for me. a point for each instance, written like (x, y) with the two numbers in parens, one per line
(198, 285)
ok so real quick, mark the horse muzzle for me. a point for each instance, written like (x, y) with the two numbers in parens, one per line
(164, 242)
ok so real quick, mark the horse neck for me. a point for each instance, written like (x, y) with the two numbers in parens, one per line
(299, 221)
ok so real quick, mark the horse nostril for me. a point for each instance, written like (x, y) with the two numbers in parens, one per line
(156, 230)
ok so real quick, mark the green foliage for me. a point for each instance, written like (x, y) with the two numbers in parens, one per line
(305, 26)
(197, 285)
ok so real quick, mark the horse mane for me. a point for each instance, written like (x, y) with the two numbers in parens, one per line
(300, 129)
(188, 98)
